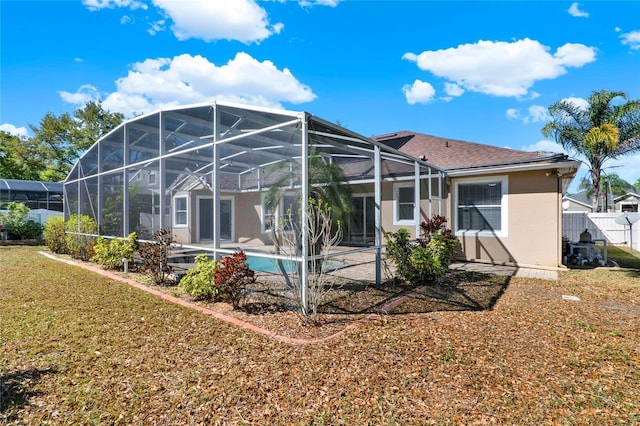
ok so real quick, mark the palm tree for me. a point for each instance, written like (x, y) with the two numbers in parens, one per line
(327, 186)
(612, 185)
(327, 183)
(599, 132)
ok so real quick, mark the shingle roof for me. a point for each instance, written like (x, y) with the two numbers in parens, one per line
(581, 197)
(449, 154)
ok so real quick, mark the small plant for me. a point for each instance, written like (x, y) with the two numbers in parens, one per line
(233, 277)
(54, 234)
(80, 236)
(110, 253)
(155, 256)
(441, 239)
(429, 257)
(18, 224)
(448, 356)
(199, 281)
(399, 248)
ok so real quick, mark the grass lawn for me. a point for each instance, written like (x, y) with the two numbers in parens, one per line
(80, 348)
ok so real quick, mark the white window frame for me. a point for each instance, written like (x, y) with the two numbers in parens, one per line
(504, 207)
(176, 211)
(396, 203)
(277, 214)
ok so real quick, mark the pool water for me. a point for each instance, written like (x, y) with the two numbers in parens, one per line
(264, 264)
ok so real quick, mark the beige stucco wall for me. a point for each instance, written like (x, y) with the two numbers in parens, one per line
(533, 235)
(246, 218)
(433, 207)
(248, 225)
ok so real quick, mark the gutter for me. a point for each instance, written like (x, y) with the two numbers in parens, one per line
(567, 166)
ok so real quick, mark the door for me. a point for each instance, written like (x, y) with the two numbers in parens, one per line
(205, 219)
(361, 228)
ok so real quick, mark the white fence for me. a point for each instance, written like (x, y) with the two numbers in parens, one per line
(601, 226)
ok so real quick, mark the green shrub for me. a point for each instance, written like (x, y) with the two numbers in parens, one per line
(109, 253)
(17, 223)
(54, 234)
(234, 277)
(199, 281)
(155, 256)
(429, 257)
(80, 236)
(399, 248)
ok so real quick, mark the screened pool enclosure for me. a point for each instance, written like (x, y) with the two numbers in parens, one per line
(204, 172)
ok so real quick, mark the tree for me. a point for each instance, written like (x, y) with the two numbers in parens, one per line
(601, 131)
(18, 159)
(60, 141)
(612, 185)
(327, 183)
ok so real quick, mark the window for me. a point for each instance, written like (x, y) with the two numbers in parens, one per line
(152, 178)
(268, 218)
(403, 204)
(287, 212)
(481, 206)
(180, 211)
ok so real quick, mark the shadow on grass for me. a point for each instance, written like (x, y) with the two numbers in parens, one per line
(456, 291)
(15, 389)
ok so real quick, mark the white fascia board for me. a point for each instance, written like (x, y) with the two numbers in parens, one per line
(567, 166)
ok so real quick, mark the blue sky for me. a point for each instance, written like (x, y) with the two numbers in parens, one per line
(477, 71)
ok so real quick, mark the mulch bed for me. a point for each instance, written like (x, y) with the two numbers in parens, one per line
(269, 306)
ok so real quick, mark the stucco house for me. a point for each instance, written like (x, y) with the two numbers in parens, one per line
(504, 205)
(203, 170)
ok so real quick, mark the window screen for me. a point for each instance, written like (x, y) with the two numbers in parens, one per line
(405, 203)
(480, 206)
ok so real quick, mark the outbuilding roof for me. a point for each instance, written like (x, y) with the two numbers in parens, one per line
(30, 185)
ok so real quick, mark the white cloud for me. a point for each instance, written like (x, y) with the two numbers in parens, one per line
(418, 92)
(502, 68)
(126, 20)
(77, 59)
(574, 10)
(309, 3)
(21, 132)
(534, 114)
(156, 27)
(94, 5)
(632, 39)
(512, 114)
(185, 79)
(84, 94)
(579, 102)
(210, 20)
(453, 89)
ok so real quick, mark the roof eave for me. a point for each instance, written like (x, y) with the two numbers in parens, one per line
(568, 167)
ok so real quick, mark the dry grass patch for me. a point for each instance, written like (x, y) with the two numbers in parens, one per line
(79, 348)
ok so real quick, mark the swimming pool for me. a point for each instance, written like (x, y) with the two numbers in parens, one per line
(264, 264)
